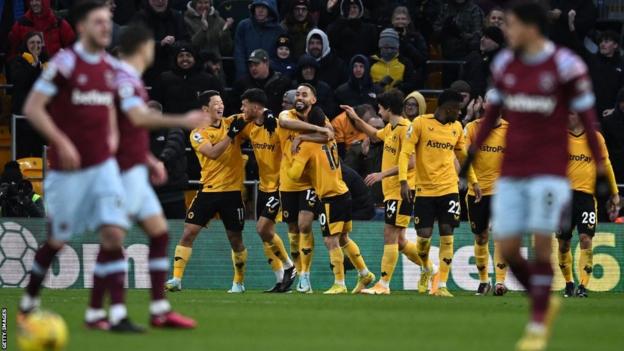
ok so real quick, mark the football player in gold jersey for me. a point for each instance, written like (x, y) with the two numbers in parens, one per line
(218, 149)
(321, 164)
(398, 211)
(486, 166)
(437, 140)
(261, 131)
(581, 173)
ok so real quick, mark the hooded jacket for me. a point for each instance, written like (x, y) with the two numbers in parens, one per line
(352, 36)
(168, 145)
(213, 38)
(297, 31)
(399, 69)
(324, 93)
(251, 35)
(477, 70)
(460, 28)
(57, 32)
(420, 99)
(275, 85)
(331, 67)
(357, 91)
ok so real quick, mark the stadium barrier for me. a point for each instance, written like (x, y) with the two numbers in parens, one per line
(210, 265)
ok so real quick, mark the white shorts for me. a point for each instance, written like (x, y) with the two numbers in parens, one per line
(141, 201)
(84, 200)
(535, 205)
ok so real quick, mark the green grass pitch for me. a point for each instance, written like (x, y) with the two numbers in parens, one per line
(402, 321)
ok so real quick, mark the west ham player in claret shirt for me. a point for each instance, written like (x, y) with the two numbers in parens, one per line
(536, 85)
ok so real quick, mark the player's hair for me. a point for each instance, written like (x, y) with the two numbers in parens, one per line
(392, 100)
(309, 86)
(449, 95)
(205, 96)
(132, 38)
(317, 117)
(255, 95)
(83, 8)
(531, 13)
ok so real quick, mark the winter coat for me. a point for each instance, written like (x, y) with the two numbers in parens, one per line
(297, 31)
(23, 75)
(177, 89)
(211, 39)
(608, 77)
(350, 37)
(57, 33)
(251, 35)
(357, 91)
(613, 131)
(477, 71)
(400, 71)
(331, 67)
(274, 86)
(168, 145)
(459, 26)
(585, 20)
(324, 93)
(412, 46)
(287, 67)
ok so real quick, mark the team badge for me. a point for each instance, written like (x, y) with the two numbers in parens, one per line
(286, 214)
(191, 215)
(547, 82)
(509, 80)
(197, 137)
(416, 220)
(82, 79)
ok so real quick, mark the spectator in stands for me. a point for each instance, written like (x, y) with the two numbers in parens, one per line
(288, 100)
(207, 29)
(350, 139)
(359, 89)
(117, 28)
(17, 198)
(331, 67)
(349, 34)
(607, 71)
(213, 65)
(414, 105)
(25, 68)
(495, 18)
(477, 69)
(10, 11)
(412, 45)
(571, 21)
(259, 31)
(57, 33)
(169, 146)
(260, 75)
(283, 61)
(307, 72)
(168, 28)
(363, 206)
(178, 88)
(613, 131)
(391, 70)
(297, 23)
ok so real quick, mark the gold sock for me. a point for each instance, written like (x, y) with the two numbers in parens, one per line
(352, 250)
(389, 261)
(482, 256)
(336, 258)
(293, 238)
(274, 261)
(306, 249)
(586, 265)
(277, 247)
(239, 261)
(423, 245)
(565, 264)
(446, 257)
(180, 259)
(410, 250)
(500, 266)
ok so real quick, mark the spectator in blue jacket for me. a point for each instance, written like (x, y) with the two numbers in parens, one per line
(260, 31)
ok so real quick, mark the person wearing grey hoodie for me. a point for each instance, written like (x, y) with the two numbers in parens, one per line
(208, 30)
(331, 67)
(259, 31)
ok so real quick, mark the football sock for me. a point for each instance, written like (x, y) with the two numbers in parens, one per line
(158, 265)
(446, 257)
(239, 260)
(565, 264)
(114, 269)
(277, 246)
(539, 292)
(276, 263)
(423, 245)
(482, 257)
(389, 261)
(294, 238)
(352, 250)
(410, 250)
(181, 256)
(306, 248)
(586, 265)
(336, 258)
(96, 297)
(43, 260)
(500, 267)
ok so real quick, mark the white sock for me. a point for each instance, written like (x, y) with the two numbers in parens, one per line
(159, 307)
(364, 272)
(93, 314)
(279, 275)
(441, 285)
(287, 263)
(536, 327)
(117, 313)
(28, 302)
(339, 282)
(306, 275)
(384, 283)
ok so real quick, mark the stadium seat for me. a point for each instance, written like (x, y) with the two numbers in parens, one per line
(5, 146)
(32, 169)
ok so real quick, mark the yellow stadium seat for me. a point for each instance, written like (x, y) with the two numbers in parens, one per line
(32, 169)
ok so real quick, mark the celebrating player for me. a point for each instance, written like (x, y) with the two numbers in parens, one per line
(261, 131)
(398, 211)
(322, 164)
(437, 140)
(537, 84)
(486, 166)
(581, 172)
(218, 149)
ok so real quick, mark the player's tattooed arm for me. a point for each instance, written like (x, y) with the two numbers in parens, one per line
(360, 124)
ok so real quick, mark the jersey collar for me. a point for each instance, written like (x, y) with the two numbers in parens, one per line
(540, 57)
(87, 56)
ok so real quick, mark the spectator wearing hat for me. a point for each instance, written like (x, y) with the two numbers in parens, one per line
(331, 67)
(359, 89)
(349, 34)
(178, 88)
(390, 70)
(260, 75)
(607, 71)
(477, 69)
(307, 72)
(297, 24)
(207, 29)
(283, 61)
(259, 31)
(288, 100)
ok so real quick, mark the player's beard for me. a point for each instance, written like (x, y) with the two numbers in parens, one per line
(301, 106)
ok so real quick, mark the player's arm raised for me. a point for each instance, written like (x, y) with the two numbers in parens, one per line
(360, 124)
